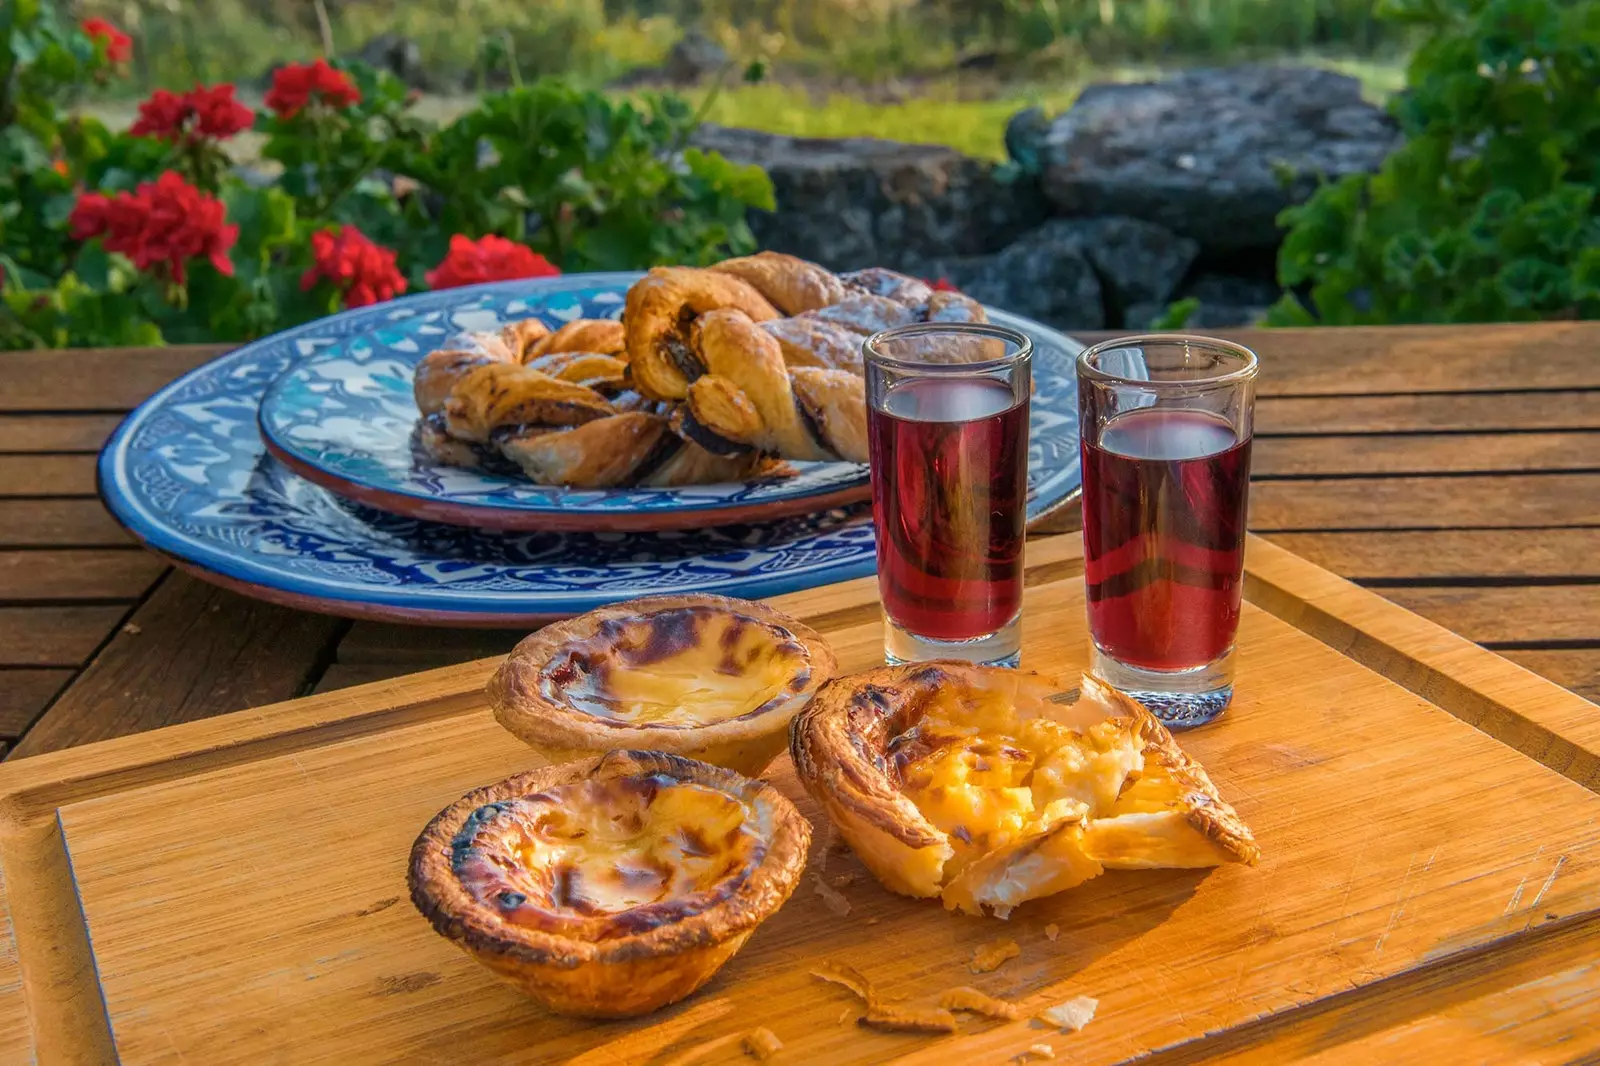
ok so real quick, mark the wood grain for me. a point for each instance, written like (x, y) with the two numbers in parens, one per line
(1576, 669)
(59, 524)
(26, 692)
(1478, 412)
(190, 651)
(1454, 554)
(1410, 453)
(56, 433)
(54, 636)
(93, 379)
(47, 475)
(78, 574)
(1426, 503)
(1497, 615)
(383, 642)
(162, 894)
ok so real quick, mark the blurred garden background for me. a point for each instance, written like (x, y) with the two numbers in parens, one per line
(198, 170)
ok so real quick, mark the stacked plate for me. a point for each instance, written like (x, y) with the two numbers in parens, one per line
(286, 470)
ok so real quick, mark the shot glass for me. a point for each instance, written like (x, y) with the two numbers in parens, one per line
(1166, 427)
(947, 417)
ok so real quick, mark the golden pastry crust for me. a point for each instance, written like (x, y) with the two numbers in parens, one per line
(612, 887)
(953, 307)
(880, 281)
(969, 783)
(657, 314)
(522, 336)
(865, 314)
(504, 394)
(593, 369)
(707, 677)
(603, 336)
(625, 450)
(440, 371)
(813, 342)
(791, 284)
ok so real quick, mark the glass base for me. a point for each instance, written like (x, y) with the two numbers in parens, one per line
(1003, 647)
(1181, 699)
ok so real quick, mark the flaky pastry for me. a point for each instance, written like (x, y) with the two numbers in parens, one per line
(970, 784)
(611, 887)
(704, 676)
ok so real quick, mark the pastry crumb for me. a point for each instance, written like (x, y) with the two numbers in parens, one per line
(1044, 1051)
(873, 920)
(904, 1019)
(844, 1016)
(843, 880)
(991, 956)
(1052, 931)
(965, 997)
(763, 1043)
(1071, 1015)
(831, 897)
(848, 976)
(133, 629)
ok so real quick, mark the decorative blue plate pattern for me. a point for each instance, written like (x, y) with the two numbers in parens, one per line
(188, 474)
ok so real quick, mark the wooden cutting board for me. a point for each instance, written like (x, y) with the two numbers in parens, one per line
(234, 891)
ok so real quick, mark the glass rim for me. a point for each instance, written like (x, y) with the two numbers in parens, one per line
(1252, 362)
(1023, 353)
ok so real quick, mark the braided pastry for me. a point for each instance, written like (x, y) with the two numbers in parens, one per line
(439, 371)
(503, 394)
(865, 313)
(748, 398)
(657, 314)
(602, 335)
(901, 288)
(810, 341)
(603, 373)
(793, 285)
(522, 336)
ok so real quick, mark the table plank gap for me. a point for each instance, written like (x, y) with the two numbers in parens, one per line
(61, 434)
(190, 651)
(25, 692)
(58, 575)
(54, 636)
(86, 380)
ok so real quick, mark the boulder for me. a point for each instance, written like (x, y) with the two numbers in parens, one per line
(1212, 154)
(693, 58)
(1045, 276)
(1225, 301)
(398, 55)
(857, 202)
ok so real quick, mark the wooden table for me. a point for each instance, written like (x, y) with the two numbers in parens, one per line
(1456, 471)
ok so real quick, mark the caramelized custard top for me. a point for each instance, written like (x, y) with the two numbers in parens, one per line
(678, 668)
(609, 858)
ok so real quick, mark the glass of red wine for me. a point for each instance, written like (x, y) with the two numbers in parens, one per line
(1166, 426)
(947, 418)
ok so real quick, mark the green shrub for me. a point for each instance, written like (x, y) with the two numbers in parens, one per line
(1490, 210)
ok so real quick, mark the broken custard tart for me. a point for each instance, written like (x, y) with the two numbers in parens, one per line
(971, 784)
(609, 888)
(707, 677)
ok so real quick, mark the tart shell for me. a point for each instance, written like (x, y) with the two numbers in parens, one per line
(617, 976)
(524, 703)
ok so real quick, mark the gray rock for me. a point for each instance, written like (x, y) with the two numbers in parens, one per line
(1045, 276)
(1137, 261)
(398, 55)
(1025, 134)
(858, 202)
(1212, 154)
(1228, 290)
(693, 58)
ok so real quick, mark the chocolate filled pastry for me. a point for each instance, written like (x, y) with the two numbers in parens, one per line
(791, 284)
(748, 397)
(600, 372)
(629, 450)
(441, 370)
(503, 394)
(953, 307)
(975, 785)
(612, 887)
(901, 288)
(657, 315)
(814, 342)
(865, 314)
(602, 335)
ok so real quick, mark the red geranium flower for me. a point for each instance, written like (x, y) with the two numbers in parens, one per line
(162, 223)
(119, 46)
(204, 111)
(363, 272)
(491, 258)
(942, 285)
(296, 84)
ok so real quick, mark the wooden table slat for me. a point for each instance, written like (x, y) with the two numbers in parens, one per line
(1404, 453)
(94, 379)
(1576, 669)
(54, 636)
(47, 475)
(1502, 615)
(32, 433)
(1480, 412)
(190, 651)
(1452, 554)
(68, 523)
(1426, 503)
(77, 574)
(26, 692)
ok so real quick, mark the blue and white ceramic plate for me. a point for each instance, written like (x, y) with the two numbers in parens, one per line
(188, 474)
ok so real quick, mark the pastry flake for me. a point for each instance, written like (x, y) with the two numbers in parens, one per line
(1071, 1015)
(967, 998)
(610, 888)
(970, 784)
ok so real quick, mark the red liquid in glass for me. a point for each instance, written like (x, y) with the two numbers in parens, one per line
(1164, 496)
(949, 489)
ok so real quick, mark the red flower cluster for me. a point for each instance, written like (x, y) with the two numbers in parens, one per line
(165, 222)
(942, 285)
(296, 84)
(204, 111)
(490, 259)
(119, 46)
(362, 271)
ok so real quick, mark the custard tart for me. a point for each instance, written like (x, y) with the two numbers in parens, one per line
(706, 677)
(973, 784)
(609, 888)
